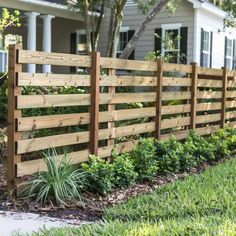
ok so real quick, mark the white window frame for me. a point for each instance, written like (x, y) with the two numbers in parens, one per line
(124, 29)
(78, 34)
(167, 27)
(230, 57)
(209, 47)
(3, 61)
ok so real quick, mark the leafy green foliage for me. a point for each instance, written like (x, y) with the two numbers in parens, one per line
(199, 148)
(220, 142)
(101, 176)
(3, 101)
(144, 156)
(125, 174)
(168, 155)
(61, 183)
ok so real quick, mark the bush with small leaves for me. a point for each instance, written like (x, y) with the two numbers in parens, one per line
(169, 154)
(125, 174)
(60, 183)
(101, 175)
(199, 148)
(144, 157)
(220, 142)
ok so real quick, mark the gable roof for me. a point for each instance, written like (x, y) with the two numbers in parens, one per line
(62, 2)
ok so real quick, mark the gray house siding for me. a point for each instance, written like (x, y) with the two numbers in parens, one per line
(132, 19)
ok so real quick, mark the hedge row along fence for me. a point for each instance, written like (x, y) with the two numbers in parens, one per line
(174, 98)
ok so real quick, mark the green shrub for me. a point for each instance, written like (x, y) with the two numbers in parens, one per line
(169, 154)
(199, 148)
(125, 174)
(59, 184)
(100, 173)
(3, 101)
(144, 157)
(220, 142)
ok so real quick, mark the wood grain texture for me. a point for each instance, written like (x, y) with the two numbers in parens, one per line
(59, 59)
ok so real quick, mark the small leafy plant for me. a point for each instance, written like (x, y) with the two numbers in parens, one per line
(60, 183)
(144, 157)
(100, 175)
(168, 155)
(125, 174)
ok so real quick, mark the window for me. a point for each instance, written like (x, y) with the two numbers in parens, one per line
(206, 48)
(229, 53)
(171, 42)
(81, 42)
(5, 42)
(123, 40)
(171, 45)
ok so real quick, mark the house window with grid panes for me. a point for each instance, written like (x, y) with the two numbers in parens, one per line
(206, 49)
(171, 45)
(123, 40)
(82, 44)
(228, 53)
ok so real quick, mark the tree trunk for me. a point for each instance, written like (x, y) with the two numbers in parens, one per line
(88, 28)
(139, 32)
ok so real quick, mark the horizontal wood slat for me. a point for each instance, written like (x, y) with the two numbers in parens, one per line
(210, 71)
(175, 122)
(208, 118)
(41, 79)
(207, 83)
(177, 67)
(35, 166)
(178, 135)
(231, 94)
(167, 96)
(37, 144)
(43, 122)
(231, 104)
(39, 101)
(123, 64)
(175, 109)
(207, 130)
(230, 115)
(209, 95)
(181, 82)
(59, 59)
(208, 106)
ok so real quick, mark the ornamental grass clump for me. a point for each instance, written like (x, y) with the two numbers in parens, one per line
(61, 183)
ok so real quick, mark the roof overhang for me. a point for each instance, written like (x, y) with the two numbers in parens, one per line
(43, 7)
(209, 7)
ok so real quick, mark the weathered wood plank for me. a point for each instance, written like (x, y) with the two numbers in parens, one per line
(208, 106)
(210, 71)
(175, 109)
(207, 130)
(123, 64)
(53, 121)
(13, 114)
(209, 94)
(177, 67)
(175, 122)
(42, 79)
(37, 144)
(35, 166)
(207, 83)
(208, 118)
(94, 108)
(167, 96)
(60, 59)
(178, 135)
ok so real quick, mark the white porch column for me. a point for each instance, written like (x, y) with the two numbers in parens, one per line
(47, 38)
(31, 39)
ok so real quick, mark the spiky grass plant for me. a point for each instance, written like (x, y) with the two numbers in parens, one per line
(60, 183)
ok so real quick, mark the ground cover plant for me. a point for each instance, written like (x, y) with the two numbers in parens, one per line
(199, 205)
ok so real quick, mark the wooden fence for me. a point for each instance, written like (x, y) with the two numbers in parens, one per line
(121, 101)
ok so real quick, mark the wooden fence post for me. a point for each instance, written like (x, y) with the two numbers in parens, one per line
(193, 95)
(94, 112)
(13, 113)
(159, 98)
(223, 101)
(111, 107)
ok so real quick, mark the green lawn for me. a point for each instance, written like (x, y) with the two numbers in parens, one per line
(200, 205)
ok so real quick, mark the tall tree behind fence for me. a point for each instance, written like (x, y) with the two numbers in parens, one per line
(121, 101)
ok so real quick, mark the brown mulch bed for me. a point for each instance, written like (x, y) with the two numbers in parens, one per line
(92, 208)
